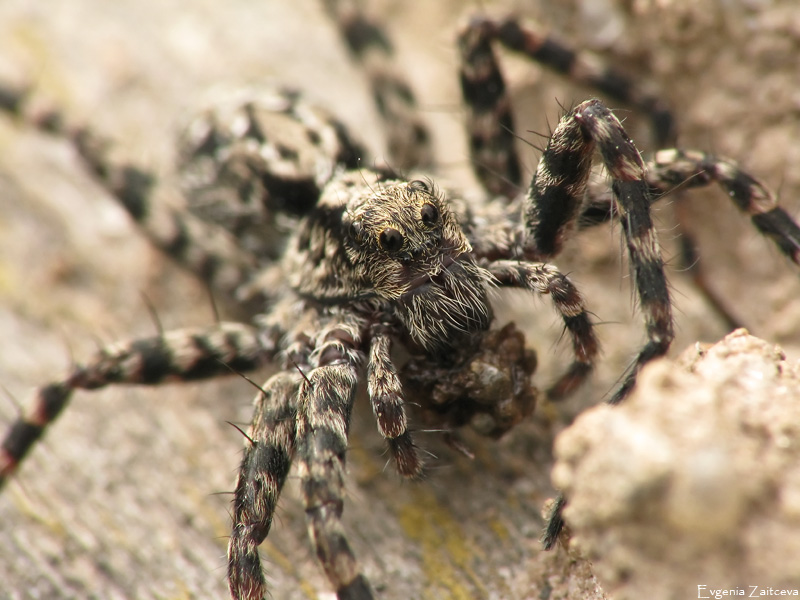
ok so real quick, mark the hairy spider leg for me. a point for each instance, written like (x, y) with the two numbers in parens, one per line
(553, 204)
(489, 116)
(694, 168)
(591, 123)
(683, 169)
(632, 205)
(386, 394)
(201, 248)
(268, 453)
(544, 279)
(237, 180)
(555, 522)
(491, 123)
(408, 139)
(179, 355)
(326, 399)
(557, 192)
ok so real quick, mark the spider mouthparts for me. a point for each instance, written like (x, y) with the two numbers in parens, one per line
(424, 281)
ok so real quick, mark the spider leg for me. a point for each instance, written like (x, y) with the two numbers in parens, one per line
(254, 163)
(546, 279)
(181, 355)
(489, 119)
(561, 179)
(386, 394)
(246, 167)
(408, 139)
(675, 168)
(693, 168)
(325, 403)
(555, 523)
(267, 458)
(492, 138)
(202, 248)
(590, 124)
(490, 123)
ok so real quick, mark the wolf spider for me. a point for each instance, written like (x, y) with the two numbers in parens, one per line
(341, 261)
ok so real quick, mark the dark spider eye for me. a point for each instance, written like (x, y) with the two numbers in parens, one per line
(429, 214)
(390, 240)
(356, 231)
(419, 185)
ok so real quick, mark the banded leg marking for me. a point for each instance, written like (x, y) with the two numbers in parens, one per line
(267, 459)
(326, 400)
(489, 118)
(181, 355)
(386, 395)
(408, 138)
(203, 249)
(547, 280)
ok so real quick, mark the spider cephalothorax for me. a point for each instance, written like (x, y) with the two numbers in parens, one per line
(405, 249)
(335, 264)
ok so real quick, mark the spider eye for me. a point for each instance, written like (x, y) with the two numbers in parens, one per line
(356, 231)
(390, 240)
(420, 185)
(429, 215)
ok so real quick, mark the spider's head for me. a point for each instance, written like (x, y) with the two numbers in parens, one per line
(403, 237)
(409, 249)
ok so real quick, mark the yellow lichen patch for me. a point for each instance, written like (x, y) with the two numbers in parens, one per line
(447, 554)
(368, 468)
(500, 530)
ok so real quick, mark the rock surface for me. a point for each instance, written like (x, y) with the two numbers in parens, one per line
(695, 480)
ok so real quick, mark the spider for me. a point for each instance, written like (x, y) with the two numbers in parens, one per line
(349, 260)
